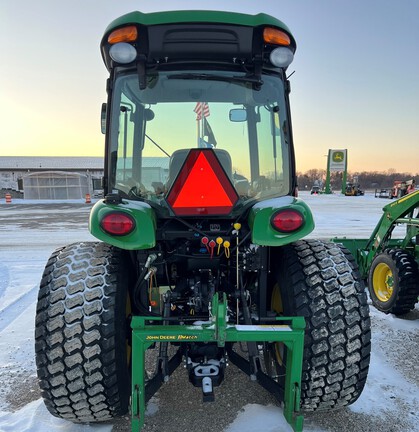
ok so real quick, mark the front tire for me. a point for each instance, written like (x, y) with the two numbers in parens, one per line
(81, 333)
(319, 281)
(393, 281)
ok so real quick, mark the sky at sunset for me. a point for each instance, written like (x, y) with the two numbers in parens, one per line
(355, 86)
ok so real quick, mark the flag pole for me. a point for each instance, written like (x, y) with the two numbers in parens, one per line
(200, 110)
(198, 133)
(202, 122)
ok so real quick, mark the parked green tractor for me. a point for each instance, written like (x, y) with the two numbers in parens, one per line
(201, 235)
(389, 259)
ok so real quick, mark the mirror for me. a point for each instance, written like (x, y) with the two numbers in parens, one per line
(148, 114)
(103, 118)
(238, 115)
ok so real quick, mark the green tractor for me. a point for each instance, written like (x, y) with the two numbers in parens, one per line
(389, 259)
(200, 235)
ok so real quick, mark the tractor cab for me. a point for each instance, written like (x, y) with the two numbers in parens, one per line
(198, 121)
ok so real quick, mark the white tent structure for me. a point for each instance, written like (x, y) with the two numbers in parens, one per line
(56, 185)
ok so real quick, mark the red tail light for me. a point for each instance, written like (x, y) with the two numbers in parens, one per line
(117, 224)
(287, 221)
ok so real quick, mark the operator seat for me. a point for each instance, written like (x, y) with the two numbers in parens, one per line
(179, 156)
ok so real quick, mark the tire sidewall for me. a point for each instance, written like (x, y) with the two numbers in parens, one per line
(384, 258)
(405, 272)
(122, 332)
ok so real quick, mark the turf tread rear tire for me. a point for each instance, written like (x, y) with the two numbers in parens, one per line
(320, 281)
(80, 341)
(406, 276)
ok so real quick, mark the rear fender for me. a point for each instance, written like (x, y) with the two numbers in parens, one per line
(259, 220)
(142, 237)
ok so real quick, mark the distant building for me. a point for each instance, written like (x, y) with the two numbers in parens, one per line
(67, 177)
(154, 170)
(51, 177)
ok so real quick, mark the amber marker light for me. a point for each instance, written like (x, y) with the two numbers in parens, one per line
(275, 36)
(124, 34)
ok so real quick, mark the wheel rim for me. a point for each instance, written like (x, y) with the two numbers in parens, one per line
(383, 282)
(276, 300)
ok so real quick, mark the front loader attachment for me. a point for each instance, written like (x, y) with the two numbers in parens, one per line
(289, 331)
(388, 260)
(403, 212)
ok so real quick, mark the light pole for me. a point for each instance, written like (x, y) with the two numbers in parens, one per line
(327, 189)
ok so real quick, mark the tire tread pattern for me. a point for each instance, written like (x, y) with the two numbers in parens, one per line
(324, 286)
(76, 333)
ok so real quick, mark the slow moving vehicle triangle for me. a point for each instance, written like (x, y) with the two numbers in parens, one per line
(202, 186)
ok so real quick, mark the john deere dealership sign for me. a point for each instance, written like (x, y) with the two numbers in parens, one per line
(337, 160)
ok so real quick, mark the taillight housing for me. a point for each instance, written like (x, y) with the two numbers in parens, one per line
(287, 220)
(117, 224)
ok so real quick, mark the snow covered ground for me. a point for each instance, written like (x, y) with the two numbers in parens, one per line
(28, 235)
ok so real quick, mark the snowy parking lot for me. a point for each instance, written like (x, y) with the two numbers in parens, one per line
(29, 233)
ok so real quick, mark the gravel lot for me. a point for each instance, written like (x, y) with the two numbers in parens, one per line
(32, 231)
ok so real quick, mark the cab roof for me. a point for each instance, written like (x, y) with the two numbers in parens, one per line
(196, 16)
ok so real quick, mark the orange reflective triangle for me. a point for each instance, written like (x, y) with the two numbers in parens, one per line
(202, 186)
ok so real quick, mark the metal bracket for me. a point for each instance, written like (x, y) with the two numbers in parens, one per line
(218, 331)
